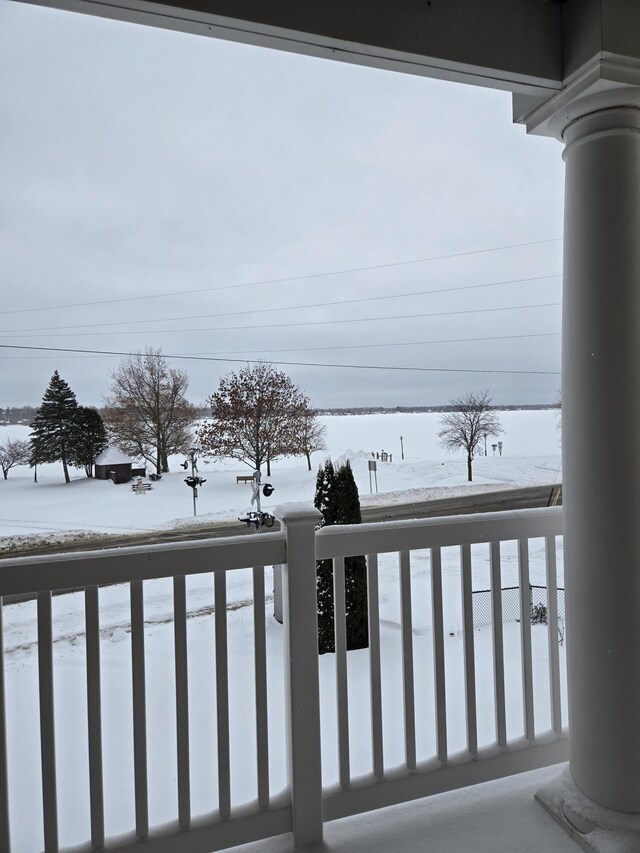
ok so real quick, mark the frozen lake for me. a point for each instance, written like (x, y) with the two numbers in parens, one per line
(50, 509)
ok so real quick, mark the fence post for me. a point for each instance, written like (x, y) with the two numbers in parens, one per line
(302, 700)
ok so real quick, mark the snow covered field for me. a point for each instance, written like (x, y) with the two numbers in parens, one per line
(531, 455)
(50, 509)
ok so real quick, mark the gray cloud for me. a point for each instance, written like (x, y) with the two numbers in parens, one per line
(138, 162)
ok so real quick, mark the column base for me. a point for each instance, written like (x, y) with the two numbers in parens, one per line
(594, 828)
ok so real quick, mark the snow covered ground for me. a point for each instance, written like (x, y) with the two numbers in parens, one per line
(497, 817)
(531, 455)
(51, 509)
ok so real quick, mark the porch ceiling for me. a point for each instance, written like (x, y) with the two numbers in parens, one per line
(506, 44)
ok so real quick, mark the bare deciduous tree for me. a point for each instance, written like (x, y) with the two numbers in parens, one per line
(254, 417)
(14, 452)
(471, 418)
(558, 405)
(148, 414)
(310, 434)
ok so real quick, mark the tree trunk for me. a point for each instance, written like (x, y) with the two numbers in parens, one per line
(88, 470)
(5, 471)
(67, 478)
(158, 460)
(308, 455)
(165, 463)
(268, 467)
(469, 473)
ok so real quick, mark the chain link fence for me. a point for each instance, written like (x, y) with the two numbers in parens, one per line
(538, 605)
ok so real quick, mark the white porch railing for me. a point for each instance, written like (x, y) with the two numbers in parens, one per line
(304, 803)
(444, 770)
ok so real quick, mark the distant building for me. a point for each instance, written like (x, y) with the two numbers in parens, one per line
(116, 466)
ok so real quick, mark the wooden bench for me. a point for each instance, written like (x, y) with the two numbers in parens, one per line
(244, 478)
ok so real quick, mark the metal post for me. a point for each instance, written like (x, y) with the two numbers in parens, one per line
(258, 476)
(195, 488)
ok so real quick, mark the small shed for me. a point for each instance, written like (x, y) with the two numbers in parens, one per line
(116, 466)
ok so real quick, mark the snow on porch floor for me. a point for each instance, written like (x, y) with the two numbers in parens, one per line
(495, 817)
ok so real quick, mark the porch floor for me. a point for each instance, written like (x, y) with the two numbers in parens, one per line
(496, 817)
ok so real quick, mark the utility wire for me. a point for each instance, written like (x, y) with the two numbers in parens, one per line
(296, 363)
(269, 327)
(338, 347)
(284, 308)
(378, 346)
(289, 279)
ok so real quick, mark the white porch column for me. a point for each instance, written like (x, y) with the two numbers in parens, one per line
(601, 451)
(601, 460)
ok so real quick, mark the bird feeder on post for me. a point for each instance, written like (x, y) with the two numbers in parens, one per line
(194, 480)
(257, 518)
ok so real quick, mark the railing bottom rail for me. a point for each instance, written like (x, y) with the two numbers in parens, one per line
(367, 793)
(204, 835)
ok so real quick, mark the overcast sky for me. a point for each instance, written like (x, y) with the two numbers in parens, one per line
(138, 166)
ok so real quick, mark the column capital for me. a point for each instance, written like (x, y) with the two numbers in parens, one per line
(606, 82)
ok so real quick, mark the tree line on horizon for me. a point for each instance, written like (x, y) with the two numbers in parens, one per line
(257, 415)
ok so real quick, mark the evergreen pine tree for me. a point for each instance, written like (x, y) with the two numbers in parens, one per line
(347, 497)
(338, 500)
(55, 430)
(355, 568)
(325, 501)
(91, 438)
(326, 495)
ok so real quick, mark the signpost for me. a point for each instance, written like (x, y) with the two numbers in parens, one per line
(373, 466)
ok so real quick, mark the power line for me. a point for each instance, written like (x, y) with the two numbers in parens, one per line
(298, 324)
(394, 344)
(338, 347)
(289, 279)
(286, 307)
(297, 363)
(48, 358)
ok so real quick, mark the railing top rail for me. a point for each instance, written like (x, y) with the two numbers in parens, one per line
(23, 575)
(379, 537)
